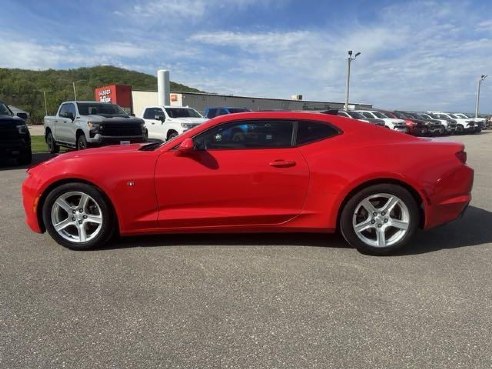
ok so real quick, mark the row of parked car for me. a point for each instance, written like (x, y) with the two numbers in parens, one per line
(420, 123)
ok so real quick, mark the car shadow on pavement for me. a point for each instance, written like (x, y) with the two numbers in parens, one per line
(239, 239)
(471, 230)
(11, 164)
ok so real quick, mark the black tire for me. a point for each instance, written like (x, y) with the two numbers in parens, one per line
(394, 228)
(26, 157)
(52, 146)
(172, 135)
(85, 215)
(81, 142)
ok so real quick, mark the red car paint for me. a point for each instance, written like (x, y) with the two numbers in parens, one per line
(163, 191)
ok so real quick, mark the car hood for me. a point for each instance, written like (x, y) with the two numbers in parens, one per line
(6, 120)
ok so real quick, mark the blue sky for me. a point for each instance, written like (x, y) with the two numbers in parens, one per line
(419, 55)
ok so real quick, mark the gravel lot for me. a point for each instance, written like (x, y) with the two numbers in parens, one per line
(250, 301)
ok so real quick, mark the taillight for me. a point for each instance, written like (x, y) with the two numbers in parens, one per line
(461, 155)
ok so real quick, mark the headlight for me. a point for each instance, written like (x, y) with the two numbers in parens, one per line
(22, 128)
(187, 125)
(94, 125)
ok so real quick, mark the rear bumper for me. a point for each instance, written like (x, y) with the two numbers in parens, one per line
(450, 199)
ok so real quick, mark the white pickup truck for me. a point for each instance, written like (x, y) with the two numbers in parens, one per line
(80, 124)
(166, 122)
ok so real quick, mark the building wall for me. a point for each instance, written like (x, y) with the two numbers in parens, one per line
(201, 101)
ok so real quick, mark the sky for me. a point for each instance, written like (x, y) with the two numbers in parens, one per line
(415, 54)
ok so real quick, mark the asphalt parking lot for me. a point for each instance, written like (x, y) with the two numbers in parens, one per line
(249, 301)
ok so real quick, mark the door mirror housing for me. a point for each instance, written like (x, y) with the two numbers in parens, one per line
(162, 118)
(22, 115)
(186, 147)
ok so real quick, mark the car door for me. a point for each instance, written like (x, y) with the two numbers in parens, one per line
(155, 127)
(240, 174)
(65, 126)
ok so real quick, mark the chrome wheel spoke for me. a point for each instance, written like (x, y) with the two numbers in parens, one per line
(82, 233)
(366, 204)
(380, 237)
(62, 203)
(400, 224)
(390, 205)
(365, 225)
(63, 224)
(84, 199)
(94, 219)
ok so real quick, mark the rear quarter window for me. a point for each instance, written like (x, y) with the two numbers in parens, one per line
(308, 132)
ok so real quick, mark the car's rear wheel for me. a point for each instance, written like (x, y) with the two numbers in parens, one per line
(52, 146)
(379, 219)
(78, 216)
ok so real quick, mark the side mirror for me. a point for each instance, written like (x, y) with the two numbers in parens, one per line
(70, 116)
(22, 115)
(162, 118)
(186, 147)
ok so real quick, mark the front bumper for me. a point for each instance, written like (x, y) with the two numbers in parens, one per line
(99, 139)
(14, 148)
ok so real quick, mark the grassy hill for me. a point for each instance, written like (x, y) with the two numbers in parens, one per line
(25, 88)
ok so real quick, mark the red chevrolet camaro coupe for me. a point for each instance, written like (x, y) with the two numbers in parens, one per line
(254, 172)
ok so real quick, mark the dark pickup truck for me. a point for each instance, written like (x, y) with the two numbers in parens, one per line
(15, 140)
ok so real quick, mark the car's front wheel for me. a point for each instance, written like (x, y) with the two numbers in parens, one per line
(78, 216)
(379, 219)
(81, 142)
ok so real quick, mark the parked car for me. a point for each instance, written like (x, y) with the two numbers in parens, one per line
(431, 127)
(450, 125)
(222, 110)
(15, 139)
(359, 116)
(298, 172)
(416, 127)
(82, 124)
(166, 122)
(392, 123)
(479, 121)
(463, 125)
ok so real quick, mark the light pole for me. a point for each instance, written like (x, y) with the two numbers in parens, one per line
(349, 61)
(477, 105)
(75, 90)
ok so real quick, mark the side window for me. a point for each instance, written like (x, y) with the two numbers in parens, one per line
(221, 112)
(314, 131)
(211, 113)
(151, 113)
(67, 108)
(260, 134)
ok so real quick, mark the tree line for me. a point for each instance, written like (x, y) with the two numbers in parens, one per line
(27, 89)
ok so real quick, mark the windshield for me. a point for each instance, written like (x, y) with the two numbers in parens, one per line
(459, 116)
(183, 113)
(425, 116)
(104, 109)
(379, 114)
(356, 115)
(4, 110)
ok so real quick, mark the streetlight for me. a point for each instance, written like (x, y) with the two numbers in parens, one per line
(482, 77)
(349, 61)
(75, 90)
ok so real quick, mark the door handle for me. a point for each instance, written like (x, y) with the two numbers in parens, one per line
(282, 163)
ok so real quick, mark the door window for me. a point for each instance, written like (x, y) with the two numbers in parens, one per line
(259, 134)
